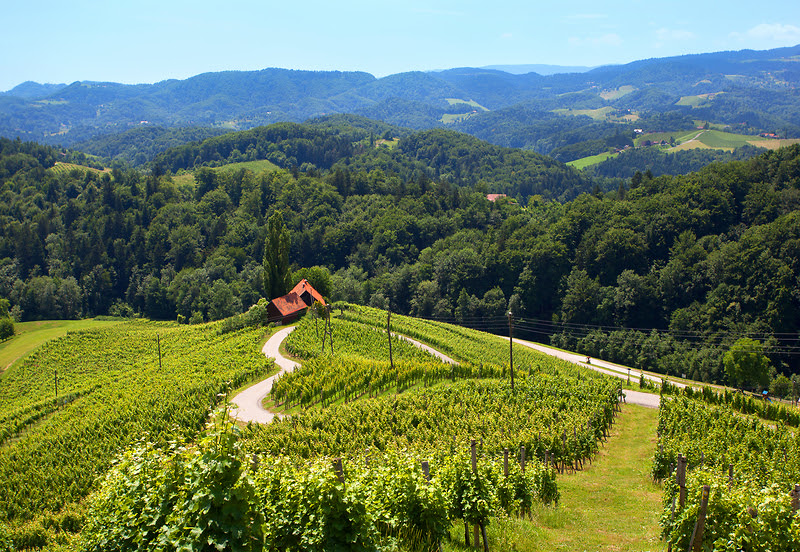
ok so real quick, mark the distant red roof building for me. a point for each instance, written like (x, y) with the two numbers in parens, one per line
(494, 197)
(290, 306)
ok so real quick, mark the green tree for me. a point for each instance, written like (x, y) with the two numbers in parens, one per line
(745, 364)
(277, 278)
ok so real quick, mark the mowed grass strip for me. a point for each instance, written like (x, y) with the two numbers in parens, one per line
(30, 335)
(611, 505)
(584, 162)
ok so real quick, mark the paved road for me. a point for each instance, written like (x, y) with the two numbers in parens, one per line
(441, 356)
(609, 368)
(249, 401)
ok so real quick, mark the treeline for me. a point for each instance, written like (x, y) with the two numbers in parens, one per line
(702, 259)
(658, 162)
(139, 146)
(439, 155)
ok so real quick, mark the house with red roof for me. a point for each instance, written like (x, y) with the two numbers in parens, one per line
(283, 310)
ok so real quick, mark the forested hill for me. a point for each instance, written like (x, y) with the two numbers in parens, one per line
(664, 273)
(757, 91)
(440, 155)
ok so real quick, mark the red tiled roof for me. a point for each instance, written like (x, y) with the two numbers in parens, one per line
(302, 287)
(289, 303)
(302, 296)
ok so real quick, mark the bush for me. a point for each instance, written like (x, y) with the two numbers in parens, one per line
(121, 309)
(6, 328)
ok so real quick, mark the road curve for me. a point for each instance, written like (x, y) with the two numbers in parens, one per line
(248, 402)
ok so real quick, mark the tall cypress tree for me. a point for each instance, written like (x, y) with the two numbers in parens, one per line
(277, 278)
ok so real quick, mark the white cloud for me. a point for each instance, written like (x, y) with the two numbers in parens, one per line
(507, 36)
(771, 32)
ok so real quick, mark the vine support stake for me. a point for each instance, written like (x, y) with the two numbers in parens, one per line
(697, 534)
(795, 494)
(475, 536)
(680, 479)
(337, 467)
(158, 339)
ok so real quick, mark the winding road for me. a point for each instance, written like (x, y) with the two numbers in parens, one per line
(249, 402)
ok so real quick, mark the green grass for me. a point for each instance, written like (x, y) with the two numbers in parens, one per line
(60, 168)
(591, 160)
(617, 92)
(678, 135)
(611, 505)
(600, 114)
(700, 100)
(257, 167)
(30, 335)
(473, 103)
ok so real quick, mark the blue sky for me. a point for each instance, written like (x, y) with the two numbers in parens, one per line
(147, 41)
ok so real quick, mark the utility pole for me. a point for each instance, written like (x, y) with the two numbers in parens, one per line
(511, 346)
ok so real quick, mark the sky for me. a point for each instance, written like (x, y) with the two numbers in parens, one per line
(149, 41)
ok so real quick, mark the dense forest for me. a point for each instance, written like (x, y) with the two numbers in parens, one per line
(662, 273)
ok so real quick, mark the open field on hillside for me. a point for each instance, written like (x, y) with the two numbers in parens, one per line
(30, 335)
(591, 160)
(256, 167)
(617, 93)
(473, 103)
(606, 113)
(60, 167)
(699, 100)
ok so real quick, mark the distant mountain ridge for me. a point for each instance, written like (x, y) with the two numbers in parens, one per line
(760, 90)
(540, 68)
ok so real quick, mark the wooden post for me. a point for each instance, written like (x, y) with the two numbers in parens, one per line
(505, 462)
(680, 479)
(426, 470)
(158, 338)
(522, 457)
(730, 476)
(697, 534)
(795, 494)
(475, 537)
(56, 382)
(337, 467)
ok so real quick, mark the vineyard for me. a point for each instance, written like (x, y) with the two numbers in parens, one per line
(750, 468)
(386, 450)
(114, 390)
(103, 446)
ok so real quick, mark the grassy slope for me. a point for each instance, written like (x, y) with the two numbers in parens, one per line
(584, 162)
(31, 335)
(611, 505)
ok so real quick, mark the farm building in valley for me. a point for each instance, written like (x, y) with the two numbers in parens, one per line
(287, 308)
